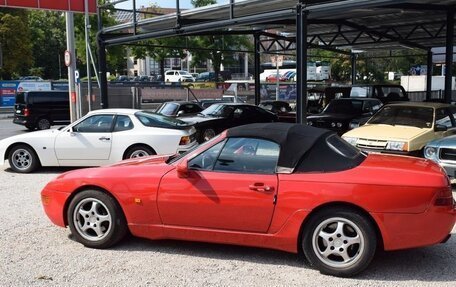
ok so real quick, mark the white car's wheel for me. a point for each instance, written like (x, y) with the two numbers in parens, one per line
(23, 159)
(139, 151)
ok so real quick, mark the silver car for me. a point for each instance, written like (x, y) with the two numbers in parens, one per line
(443, 152)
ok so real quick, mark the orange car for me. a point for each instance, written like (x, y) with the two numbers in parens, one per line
(275, 185)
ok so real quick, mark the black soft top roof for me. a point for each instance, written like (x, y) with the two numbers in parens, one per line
(295, 140)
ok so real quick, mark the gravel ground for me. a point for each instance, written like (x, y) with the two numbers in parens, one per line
(34, 252)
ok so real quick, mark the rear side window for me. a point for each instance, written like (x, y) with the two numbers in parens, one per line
(123, 123)
(20, 98)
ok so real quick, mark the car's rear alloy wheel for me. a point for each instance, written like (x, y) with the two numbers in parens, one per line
(23, 159)
(44, 124)
(339, 242)
(208, 134)
(95, 219)
(139, 151)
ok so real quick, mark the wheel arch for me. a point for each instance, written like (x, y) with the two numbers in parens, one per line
(135, 145)
(344, 205)
(11, 146)
(82, 189)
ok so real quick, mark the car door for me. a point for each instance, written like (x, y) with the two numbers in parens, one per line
(231, 186)
(90, 139)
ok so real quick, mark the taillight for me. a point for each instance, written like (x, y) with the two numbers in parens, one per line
(185, 140)
(444, 197)
(26, 112)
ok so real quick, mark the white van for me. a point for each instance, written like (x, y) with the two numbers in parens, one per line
(178, 76)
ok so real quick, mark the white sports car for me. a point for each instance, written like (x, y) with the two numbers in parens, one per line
(101, 137)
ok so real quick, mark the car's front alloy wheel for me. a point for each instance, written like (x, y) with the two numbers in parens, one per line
(95, 219)
(23, 159)
(339, 242)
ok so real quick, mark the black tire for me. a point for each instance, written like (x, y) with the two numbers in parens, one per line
(23, 159)
(139, 151)
(43, 124)
(103, 216)
(339, 254)
(30, 127)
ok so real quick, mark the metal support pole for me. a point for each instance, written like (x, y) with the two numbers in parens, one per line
(353, 66)
(429, 75)
(449, 54)
(301, 64)
(72, 67)
(88, 62)
(231, 9)
(178, 14)
(257, 68)
(134, 17)
(102, 64)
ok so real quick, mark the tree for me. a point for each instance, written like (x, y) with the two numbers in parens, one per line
(201, 3)
(15, 42)
(49, 43)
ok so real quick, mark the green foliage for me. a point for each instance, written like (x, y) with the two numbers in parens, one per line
(201, 3)
(15, 42)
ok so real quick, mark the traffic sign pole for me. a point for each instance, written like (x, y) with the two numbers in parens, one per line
(72, 64)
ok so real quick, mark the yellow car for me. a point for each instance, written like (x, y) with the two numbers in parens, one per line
(404, 128)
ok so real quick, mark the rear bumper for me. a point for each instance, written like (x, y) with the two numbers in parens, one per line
(402, 231)
(21, 121)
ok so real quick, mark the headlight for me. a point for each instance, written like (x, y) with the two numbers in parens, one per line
(394, 145)
(333, 124)
(354, 125)
(339, 125)
(429, 152)
(351, 140)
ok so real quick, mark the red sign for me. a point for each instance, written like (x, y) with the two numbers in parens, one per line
(60, 5)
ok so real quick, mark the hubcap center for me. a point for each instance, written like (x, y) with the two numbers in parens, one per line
(338, 243)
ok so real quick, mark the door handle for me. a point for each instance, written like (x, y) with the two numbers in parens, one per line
(104, 139)
(260, 187)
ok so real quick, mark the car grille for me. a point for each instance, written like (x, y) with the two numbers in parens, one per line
(448, 154)
(193, 137)
(321, 124)
(371, 143)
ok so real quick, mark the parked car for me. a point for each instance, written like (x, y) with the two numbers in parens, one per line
(384, 92)
(282, 109)
(282, 186)
(101, 137)
(443, 152)
(340, 112)
(404, 128)
(272, 78)
(178, 76)
(42, 109)
(178, 109)
(207, 77)
(205, 103)
(288, 76)
(219, 117)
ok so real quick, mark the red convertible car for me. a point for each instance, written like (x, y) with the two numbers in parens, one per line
(275, 185)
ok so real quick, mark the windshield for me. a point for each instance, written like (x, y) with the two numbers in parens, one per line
(176, 157)
(361, 92)
(156, 120)
(168, 109)
(344, 107)
(420, 117)
(218, 110)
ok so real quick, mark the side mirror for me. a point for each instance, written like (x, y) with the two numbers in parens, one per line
(440, 128)
(182, 169)
(180, 113)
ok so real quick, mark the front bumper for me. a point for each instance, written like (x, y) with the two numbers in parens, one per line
(183, 149)
(54, 205)
(397, 152)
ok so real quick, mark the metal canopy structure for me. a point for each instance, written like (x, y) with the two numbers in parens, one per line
(297, 24)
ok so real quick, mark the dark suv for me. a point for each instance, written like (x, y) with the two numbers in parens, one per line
(41, 109)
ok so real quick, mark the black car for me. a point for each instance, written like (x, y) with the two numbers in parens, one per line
(340, 112)
(219, 117)
(42, 109)
(384, 92)
(178, 109)
(282, 109)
